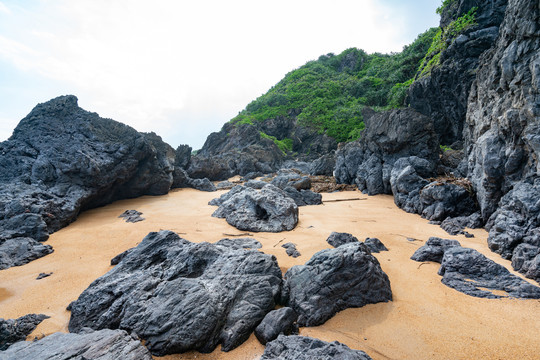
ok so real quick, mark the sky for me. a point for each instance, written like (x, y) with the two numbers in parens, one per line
(181, 68)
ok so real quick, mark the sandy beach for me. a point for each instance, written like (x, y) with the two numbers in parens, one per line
(426, 319)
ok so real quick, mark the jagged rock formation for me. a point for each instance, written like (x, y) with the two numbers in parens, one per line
(131, 216)
(502, 136)
(388, 136)
(305, 348)
(15, 330)
(268, 209)
(375, 245)
(471, 273)
(166, 284)
(61, 160)
(276, 322)
(334, 280)
(95, 345)
(240, 149)
(442, 95)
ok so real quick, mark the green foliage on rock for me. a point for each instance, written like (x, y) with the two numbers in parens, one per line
(329, 94)
(444, 5)
(285, 145)
(443, 38)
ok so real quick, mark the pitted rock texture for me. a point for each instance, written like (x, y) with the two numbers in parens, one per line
(337, 239)
(388, 136)
(62, 159)
(442, 95)
(95, 345)
(15, 330)
(21, 250)
(334, 280)
(277, 322)
(166, 284)
(296, 347)
(269, 209)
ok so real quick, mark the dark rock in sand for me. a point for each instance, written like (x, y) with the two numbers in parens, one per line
(43, 275)
(276, 322)
(224, 185)
(433, 249)
(303, 197)
(240, 243)
(456, 225)
(224, 197)
(269, 209)
(15, 330)
(131, 216)
(95, 345)
(252, 176)
(292, 179)
(301, 167)
(116, 260)
(408, 177)
(375, 245)
(21, 250)
(182, 296)
(296, 347)
(337, 239)
(290, 249)
(324, 165)
(334, 280)
(470, 272)
(440, 200)
(256, 184)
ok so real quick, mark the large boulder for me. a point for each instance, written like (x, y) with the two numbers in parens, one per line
(180, 296)
(15, 330)
(334, 280)
(388, 136)
(269, 209)
(296, 347)
(61, 160)
(95, 345)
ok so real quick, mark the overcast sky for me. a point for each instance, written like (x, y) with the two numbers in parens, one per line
(181, 68)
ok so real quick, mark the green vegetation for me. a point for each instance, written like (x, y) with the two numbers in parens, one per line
(329, 94)
(285, 145)
(445, 148)
(444, 37)
(444, 5)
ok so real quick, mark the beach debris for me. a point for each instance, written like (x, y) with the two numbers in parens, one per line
(43, 275)
(181, 296)
(131, 216)
(334, 280)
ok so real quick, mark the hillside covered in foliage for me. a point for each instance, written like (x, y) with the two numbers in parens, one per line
(329, 94)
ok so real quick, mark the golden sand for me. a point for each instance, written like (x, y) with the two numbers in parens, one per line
(426, 319)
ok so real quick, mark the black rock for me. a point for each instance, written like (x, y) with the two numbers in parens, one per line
(457, 225)
(183, 156)
(337, 239)
(276, 322)
(229, 194)
(252, 176)
(102, 345)
(324, 165)
(470, 272)
(182, 296)
(255, 184)
(224, 185)
(131, 216)
(269, 209)
(292, 179)
(296, 347)
(301, 167)
(21, 250)
(375, 245)
(440, 200)
(15, 330)
(433, 249)
(334, 280)
(116, 260)
(240, 243)
(303, 197)
(291, 250)
(43, 275)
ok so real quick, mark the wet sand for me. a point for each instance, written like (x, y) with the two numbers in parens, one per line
(426, 320)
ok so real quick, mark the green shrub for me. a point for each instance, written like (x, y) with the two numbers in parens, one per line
(444, 5)
(285, 145)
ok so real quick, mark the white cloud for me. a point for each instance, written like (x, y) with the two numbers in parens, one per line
(4, 9)
(142, 62)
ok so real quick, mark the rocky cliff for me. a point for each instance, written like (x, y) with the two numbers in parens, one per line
(61, 160)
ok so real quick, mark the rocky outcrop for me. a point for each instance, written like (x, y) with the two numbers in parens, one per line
(306, 348)
(21, 250)
(276, 322)
(388, 136)
(15, 330)
(502, 132)
(166, 285)
(95, 345)
(334, 280)
(375, 245)
(443, 93)
(269, 209)
(61, 160)
(471, 273)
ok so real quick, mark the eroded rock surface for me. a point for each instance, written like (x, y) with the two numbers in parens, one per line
(276, 322)
(337, 239)
(296, 347)
(15, 330)
(131, 216)
(166, 284)
(95, 345)
(334, 280)
(269, 209)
